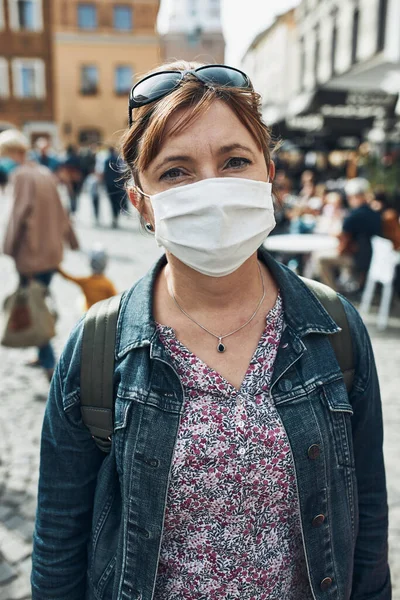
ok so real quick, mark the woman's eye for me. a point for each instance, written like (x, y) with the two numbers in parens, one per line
(237, 162)
(172, 174)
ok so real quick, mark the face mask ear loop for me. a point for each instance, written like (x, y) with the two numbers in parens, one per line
(141, 192)
(148, 226)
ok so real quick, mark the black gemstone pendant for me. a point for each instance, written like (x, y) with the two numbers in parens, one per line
(221, 347)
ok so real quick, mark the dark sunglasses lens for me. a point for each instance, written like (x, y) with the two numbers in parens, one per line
(155, 87)
(223, 76)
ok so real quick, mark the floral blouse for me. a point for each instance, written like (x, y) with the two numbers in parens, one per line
(232, 523)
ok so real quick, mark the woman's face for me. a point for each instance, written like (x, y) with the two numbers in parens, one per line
(216, 144)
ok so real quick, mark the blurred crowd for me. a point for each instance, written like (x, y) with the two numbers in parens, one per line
(39, 226)
(326, 199)
(90, 169)
(349, 209)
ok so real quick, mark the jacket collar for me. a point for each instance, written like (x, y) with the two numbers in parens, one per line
(303, 311)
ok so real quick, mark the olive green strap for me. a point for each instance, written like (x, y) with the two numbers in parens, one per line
(97, 370)
(341, 342)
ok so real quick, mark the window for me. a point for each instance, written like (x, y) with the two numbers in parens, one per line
(333, 48)
(87, 16)
(317, 49)
(193, 7)
(382, 15)
(89, 136)
(29, 78)
(354, 41)
(4, 82)
(215, 9)
(123, 79)
(302, 62)
(1, 15)
(89, 80)
(25, 15)
(123, 18)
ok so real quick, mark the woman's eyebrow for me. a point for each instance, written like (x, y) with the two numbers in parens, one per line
(232, 147)
(171, 159)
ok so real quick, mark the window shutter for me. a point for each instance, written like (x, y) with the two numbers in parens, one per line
(40, 79)
(4, 79)
(16, 76)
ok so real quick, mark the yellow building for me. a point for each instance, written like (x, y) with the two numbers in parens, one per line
(100, 48)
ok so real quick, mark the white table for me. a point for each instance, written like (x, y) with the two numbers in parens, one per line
(300, 243)
(306, 244)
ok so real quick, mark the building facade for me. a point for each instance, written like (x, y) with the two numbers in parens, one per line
(270, 62)
(330, 77)
(194, 32)
(348, 75)
(26, 86)
(100, 49)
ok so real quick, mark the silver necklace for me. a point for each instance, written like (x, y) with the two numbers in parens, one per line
(221, 347)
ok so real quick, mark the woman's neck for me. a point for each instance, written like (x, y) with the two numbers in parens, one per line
(193, 289)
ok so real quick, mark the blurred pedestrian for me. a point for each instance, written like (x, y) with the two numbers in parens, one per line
(38, 224)
(113, 182)
(355, 249)
(239, 465)
(390, 218)
(330, 221)
(74, 180)
(92, 185)
(44, 155)
(96, 286)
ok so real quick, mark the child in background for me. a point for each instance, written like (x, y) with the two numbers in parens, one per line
(97, 286)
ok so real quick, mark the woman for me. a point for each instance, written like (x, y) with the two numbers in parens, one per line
(38, 225)
(239, 467)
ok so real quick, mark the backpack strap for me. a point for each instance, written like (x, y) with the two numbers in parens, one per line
(341, 342)
(97, 370)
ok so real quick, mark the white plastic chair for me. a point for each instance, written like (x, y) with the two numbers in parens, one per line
(382, 270)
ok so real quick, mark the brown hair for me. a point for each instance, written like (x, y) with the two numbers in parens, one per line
(141, 143)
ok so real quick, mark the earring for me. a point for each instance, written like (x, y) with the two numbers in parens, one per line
(149, 228)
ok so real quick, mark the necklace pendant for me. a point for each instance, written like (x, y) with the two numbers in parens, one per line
(221, 347)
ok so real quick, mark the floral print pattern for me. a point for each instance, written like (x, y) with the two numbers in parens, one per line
(232, 522)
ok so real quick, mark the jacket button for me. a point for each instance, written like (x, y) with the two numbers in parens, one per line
(314, 451)
(318, 520)
(326, 584)
(285, 385)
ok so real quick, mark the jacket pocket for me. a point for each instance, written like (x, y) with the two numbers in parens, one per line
(335, 398)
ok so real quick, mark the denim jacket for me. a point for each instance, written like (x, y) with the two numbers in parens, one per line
(100, 517)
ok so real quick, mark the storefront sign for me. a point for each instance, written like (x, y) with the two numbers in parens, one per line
(306, 122)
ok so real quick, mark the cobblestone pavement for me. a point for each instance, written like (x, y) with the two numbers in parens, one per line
(23, 395)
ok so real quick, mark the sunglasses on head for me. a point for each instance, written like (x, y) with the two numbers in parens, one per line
(157, 85)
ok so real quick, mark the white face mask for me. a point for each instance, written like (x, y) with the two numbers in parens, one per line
(214, 225)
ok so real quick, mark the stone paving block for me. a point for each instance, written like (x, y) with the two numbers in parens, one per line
(12, 546)
(28, 509)
(25, 566)
(5, 512)
(24, 527)
(19, 589)
(7, 573)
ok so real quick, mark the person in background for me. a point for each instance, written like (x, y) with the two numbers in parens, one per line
(96, 286)
(44, 155)
(92, 185)
(38, 224)
(74, 177)
(355, 250)
(114, 185)
(390, 218)
(330, 221)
